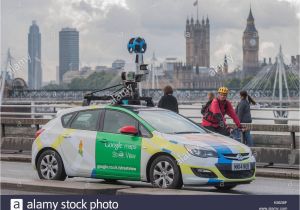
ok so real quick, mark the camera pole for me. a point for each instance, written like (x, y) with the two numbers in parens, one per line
(131, 80)
(138, 62)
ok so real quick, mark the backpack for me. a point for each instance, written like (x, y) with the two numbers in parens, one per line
(205, 108)
(206, 113)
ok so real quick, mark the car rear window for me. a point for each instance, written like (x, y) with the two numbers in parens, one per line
(66, 119)
(86, 120)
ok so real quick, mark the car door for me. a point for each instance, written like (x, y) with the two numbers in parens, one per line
(118, 156)
(79, 145)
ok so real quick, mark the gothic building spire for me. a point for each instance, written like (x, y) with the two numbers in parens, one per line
(225, 65)
(207, 20)
(250, 23)
(250, 16)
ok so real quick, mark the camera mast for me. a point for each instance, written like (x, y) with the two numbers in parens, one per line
(130, 91)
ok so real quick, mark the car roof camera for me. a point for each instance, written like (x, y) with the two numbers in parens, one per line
(130, 91)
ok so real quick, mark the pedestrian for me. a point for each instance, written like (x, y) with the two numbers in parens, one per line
(168, 101)
(214, 118)
(244, 114)
(210, 97)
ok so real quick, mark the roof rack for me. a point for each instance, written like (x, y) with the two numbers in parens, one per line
(126, 95)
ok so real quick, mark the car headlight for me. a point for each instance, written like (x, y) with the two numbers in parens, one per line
(201, 152)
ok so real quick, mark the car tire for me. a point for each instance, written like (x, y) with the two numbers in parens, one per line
(165, 173)
(50, 166)
(225, 188)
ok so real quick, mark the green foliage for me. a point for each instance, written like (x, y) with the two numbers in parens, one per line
(97, 80)
(245, 81)
(55, 87)
(236, 83)
(233, 83)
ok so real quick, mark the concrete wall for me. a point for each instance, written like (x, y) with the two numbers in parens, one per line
(268, 148)
(274, 141)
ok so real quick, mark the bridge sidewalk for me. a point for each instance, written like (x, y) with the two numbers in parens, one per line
(15, 157)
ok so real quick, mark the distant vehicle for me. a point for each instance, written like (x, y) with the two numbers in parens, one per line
(139, 143)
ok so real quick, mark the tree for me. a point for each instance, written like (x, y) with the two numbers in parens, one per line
(96, 80)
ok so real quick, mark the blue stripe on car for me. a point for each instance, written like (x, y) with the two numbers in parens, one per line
(213, 181)
(223, 150)
(93, 175)
(166, 150)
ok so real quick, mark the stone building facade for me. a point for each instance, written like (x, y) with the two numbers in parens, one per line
(197, 37)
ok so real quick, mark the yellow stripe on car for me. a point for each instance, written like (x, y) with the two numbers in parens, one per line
(39, 143)
(61, 138)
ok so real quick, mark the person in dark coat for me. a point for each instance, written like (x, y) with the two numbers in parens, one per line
(168, 101)
(244, 114)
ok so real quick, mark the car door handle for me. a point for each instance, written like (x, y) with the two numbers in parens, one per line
(103, 140)
(66, 136)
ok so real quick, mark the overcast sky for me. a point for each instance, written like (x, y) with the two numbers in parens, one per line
(106, 25)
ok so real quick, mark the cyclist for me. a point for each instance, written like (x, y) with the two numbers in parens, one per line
(214, 118)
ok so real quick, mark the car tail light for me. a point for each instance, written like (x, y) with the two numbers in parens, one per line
(39, 132)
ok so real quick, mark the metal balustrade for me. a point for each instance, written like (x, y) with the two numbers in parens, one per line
(37, 119)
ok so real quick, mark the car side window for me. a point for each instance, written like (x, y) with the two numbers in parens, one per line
(144, 132)
(86, 120)
(66, 119)
(114, 120)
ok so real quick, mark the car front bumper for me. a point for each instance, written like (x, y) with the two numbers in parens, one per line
(221, 172)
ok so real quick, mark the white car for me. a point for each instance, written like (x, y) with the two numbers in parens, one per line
(139, 143)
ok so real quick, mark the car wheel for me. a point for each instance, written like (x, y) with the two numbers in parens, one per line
(226, 187)
(50, 166)
(165, 173)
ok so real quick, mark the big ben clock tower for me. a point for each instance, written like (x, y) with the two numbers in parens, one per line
(250, 48)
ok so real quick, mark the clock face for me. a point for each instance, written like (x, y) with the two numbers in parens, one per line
(187, 34)
(252, 42)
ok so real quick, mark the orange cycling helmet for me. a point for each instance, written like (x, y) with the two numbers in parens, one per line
(223, 90)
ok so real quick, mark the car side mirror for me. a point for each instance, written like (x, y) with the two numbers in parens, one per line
(128, 129)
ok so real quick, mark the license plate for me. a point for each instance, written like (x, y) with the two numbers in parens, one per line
(240, 166)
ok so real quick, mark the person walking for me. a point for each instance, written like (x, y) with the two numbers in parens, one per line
(214, 118)
(244, 114)
(168, 101)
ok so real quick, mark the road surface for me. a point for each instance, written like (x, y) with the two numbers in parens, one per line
(259, 186)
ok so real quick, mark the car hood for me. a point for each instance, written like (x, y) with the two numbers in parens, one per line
(214, 141)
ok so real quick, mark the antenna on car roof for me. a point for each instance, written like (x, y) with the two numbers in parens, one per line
(130, 91)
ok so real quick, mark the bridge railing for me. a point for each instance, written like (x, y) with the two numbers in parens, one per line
(21, 122)
(52, 109)
(35, 116)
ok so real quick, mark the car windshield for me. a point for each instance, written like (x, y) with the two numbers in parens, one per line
(169, 122)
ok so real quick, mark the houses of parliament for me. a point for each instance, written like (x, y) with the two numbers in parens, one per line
(195, 73)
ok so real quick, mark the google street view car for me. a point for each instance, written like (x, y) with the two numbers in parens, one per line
(142, 143)
(127, 142)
